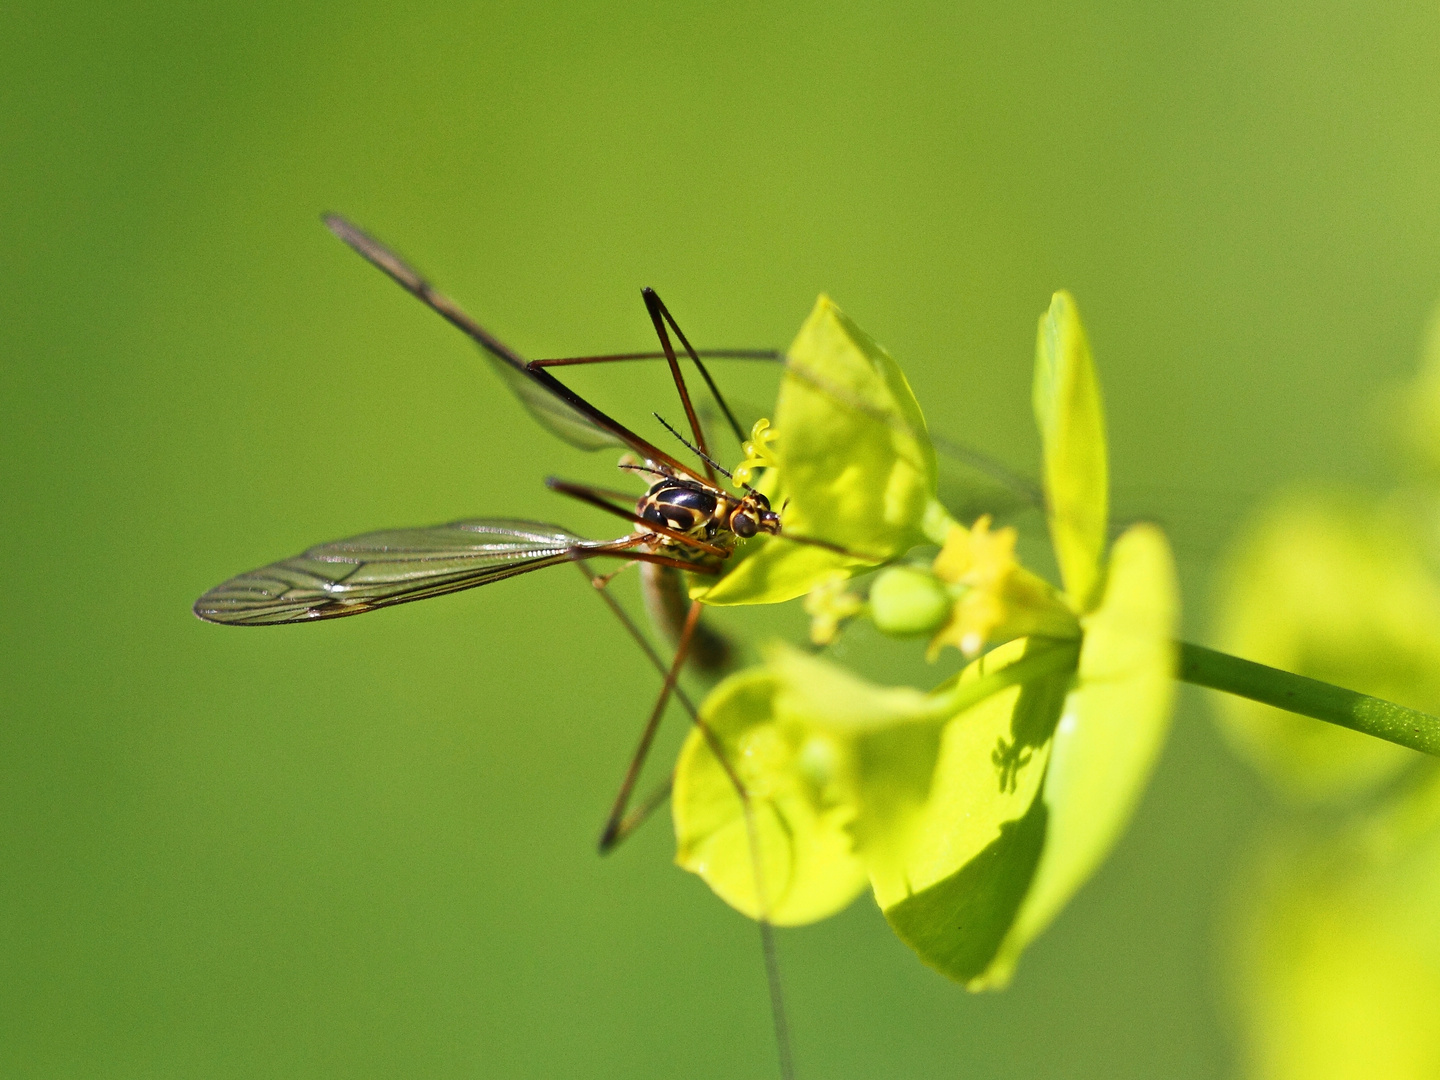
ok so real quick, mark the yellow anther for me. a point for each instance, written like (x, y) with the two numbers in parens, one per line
(1000, 598)
(977, 557)
(758, 454)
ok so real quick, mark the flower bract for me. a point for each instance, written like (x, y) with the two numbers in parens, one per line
(974, 810)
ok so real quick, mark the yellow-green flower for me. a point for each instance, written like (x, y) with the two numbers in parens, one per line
(849, 459)
(999, 599)
(973, 811)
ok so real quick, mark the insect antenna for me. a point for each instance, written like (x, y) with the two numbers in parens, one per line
(809, 541)
(632, 467)
(698, 452)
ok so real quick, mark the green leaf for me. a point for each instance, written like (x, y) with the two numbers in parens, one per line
(856, 465)
(801, 802)
(1329, 587)
(1066, 399)
(1113, 727)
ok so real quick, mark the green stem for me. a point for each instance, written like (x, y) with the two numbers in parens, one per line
(1043, 657)
(1309, 697)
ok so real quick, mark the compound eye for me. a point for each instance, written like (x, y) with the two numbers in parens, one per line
(743, 526)
(760, 500)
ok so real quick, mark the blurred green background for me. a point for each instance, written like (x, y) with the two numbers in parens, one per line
(366, 848)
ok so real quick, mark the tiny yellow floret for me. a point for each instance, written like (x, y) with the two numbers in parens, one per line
(1001, 600)
(758, 454)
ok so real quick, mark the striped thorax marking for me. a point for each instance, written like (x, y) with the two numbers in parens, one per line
(704, 513)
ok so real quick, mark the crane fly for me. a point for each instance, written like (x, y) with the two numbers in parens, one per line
(685, 521)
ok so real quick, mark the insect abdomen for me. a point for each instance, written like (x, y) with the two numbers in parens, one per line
(663, 588)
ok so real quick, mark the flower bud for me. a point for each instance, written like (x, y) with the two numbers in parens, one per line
(906, 601)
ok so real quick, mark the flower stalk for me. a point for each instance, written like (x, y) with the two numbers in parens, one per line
(1309, 697)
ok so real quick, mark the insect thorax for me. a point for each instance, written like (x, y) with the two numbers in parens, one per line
(688, 507)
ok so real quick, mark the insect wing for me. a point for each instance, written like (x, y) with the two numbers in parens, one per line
(393, 566)
(554, 415)
(540, 401)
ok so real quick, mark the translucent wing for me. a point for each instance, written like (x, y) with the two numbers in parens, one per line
(393, 566)
(553, 413)
(536, 391)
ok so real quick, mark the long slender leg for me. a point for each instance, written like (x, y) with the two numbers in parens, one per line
(996, 470)
(624, 548)
(625, 499)
(600, 583)
(655, 307)
(1006, 477)
(410, 279)
(659, 306)
(620, 824)
(778, 1013)
(810, 541)
(779, 1018)
(772, 355)
(413, 282)
(652, 802)
(610, 834)
(632, 821)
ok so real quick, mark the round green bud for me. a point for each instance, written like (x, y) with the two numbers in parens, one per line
(906, 601)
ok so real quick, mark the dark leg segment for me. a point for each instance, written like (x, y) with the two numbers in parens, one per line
(656, 799)
(695, 356)
(610, 835)
(772, 355)
(620, 824)
(656, 307)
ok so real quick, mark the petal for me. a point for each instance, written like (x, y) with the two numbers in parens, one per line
(856, 465)
(1066, 398)
(1034, 785)
(798, 798)
(953, 891)
(1110, 735)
